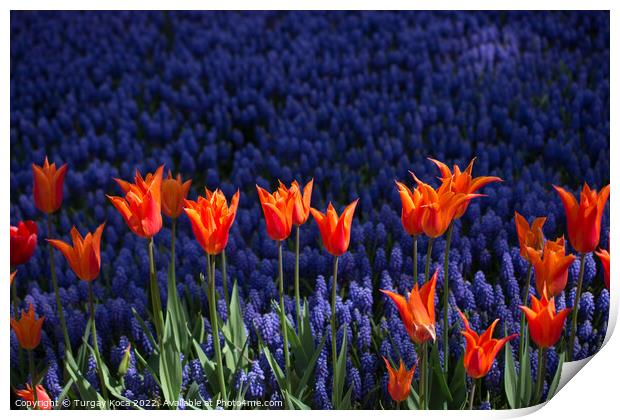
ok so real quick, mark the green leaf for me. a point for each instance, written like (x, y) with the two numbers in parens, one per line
(170, 369)
(340, 372)
(86, 390)
(63, 394)
(208, 367)
(301, 386)
(440, 392)
(235, 334)
(510, 378)
(556, 378)
(413, 400)
(525, 374)
(81, 356)
(277, 371)
(240, 360)
(146, 330)
(297, 404)
(175, 311)
(148, 365)
(458, 385)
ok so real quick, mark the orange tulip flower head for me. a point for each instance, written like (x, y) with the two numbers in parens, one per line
(335, 231)
(173, 194)
(551, 268)
(84, 256)
(417, 311)
(480, 351)
(43, 401)
(605, 262)
(278, 208)
(463, 182)
(413, 209)
(544, 322)
(211, 218)
(529, 236)
(141, 206)
(48, 186)
(28, 329)
(399, 384)
(583, 219)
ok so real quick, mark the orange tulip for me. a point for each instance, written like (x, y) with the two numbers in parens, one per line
(278, 210)
(141, 206)
(28, 329)
(530, 236)
(399, 385)
(463, 182)
(43, 400)
(552, 267)
(440, 207)
(480, 351)
(173, 194)
(413, 209)
(84, 256)
(301, 209)
(13, 276)
(211, 219)
(544, 323)
(418, 310)
(335, 232)
(583, 219)
(605, 260)
(48, 186)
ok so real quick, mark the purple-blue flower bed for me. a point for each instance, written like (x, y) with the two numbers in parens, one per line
(353, 100)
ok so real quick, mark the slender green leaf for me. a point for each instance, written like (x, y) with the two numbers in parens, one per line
(170, 369)
(310, 368)
(340, 372)
(86, 390)
(525, 374)
(298, 404)
(208, 367)
(440, 392)
(146, 330)
(174, 310)
(556, 378)
(510, 378)
(458, 385)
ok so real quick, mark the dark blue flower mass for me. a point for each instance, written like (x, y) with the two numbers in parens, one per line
(354, 100)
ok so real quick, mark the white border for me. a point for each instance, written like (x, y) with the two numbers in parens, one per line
(592, 395)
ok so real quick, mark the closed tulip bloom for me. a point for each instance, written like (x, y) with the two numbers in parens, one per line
(605, 260)
(278, 210)
(399, 384)
(48, 186)
(480, 351)
(13, 276)
(301, 209)
(211, 218)
(141, 206)
(417, 311)
(335, 231)
(544, 323)
(413, 209)
(84, 256)
(529, 236)
(23, 242)
(551, 267)
(440, 207)
(43, 401)
(28, 329)
(173, 194)
(583, 219)
(463, 182)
